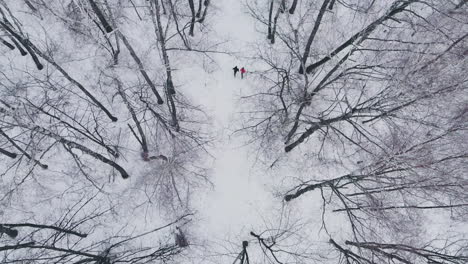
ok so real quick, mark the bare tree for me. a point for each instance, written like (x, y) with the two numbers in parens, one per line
(76, 237)
(56, 117)
(89, 98)
(379, 111)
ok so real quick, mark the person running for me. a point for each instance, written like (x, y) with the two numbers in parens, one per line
(242, 70)
(235, 71)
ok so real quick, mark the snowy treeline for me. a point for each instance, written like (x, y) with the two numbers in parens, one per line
(369, 99)
(358, 109)
(94, 131)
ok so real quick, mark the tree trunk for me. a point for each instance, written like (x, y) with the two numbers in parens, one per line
(293, 7)
(199, 8)
(10, 232)
(142, 69)
(73, 81)
(361, 34)
(6, 43)
(202, 18)
(18, 46)
(8, 154)
(275, 21)
(270, 14)
(44, 166)
(192, 23)
(176, 22)
(169, 84)
(25, 43)
(144, 144)
(84, 149)
(318, 21)
(101, 17)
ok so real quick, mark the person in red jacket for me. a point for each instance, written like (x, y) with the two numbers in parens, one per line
(242, 71)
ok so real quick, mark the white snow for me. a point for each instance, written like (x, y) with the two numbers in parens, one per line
(239, 197)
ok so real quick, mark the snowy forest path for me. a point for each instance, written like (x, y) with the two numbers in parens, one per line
(238, 196)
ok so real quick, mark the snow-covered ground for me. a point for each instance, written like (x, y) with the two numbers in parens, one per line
(239, 198)
(242, 197)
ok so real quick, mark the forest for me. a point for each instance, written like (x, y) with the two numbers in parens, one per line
(125, 137)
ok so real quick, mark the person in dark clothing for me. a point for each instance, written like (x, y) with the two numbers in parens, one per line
(235, 70)
(242, 70)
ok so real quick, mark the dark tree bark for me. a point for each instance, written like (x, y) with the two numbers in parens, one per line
(192, 23)
(317, 24)
(316, 126)
(275, 22)
(199, 12)
(283, 6)
(31, 6)
(7, 104)
(116, 51)
(361, 34)
(44, 166)
(46, 242)
(462, 3)
(163, 7)
(8, 154)
(270, 15)
(169, 84)
(75, 82)
(84, 149)
(7, 44)
(55, 228)
(293, 7)
(25, 43)
(83, 131)
(206, 4)
(13, 233)
(18, 46)
(400, 252)
(142, 68)
(100, 16)
(142, 141)
(176, 22)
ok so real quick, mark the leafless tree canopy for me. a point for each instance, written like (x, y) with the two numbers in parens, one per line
(77, 238)
(376, 93)
(360, 105)
(90, 101)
